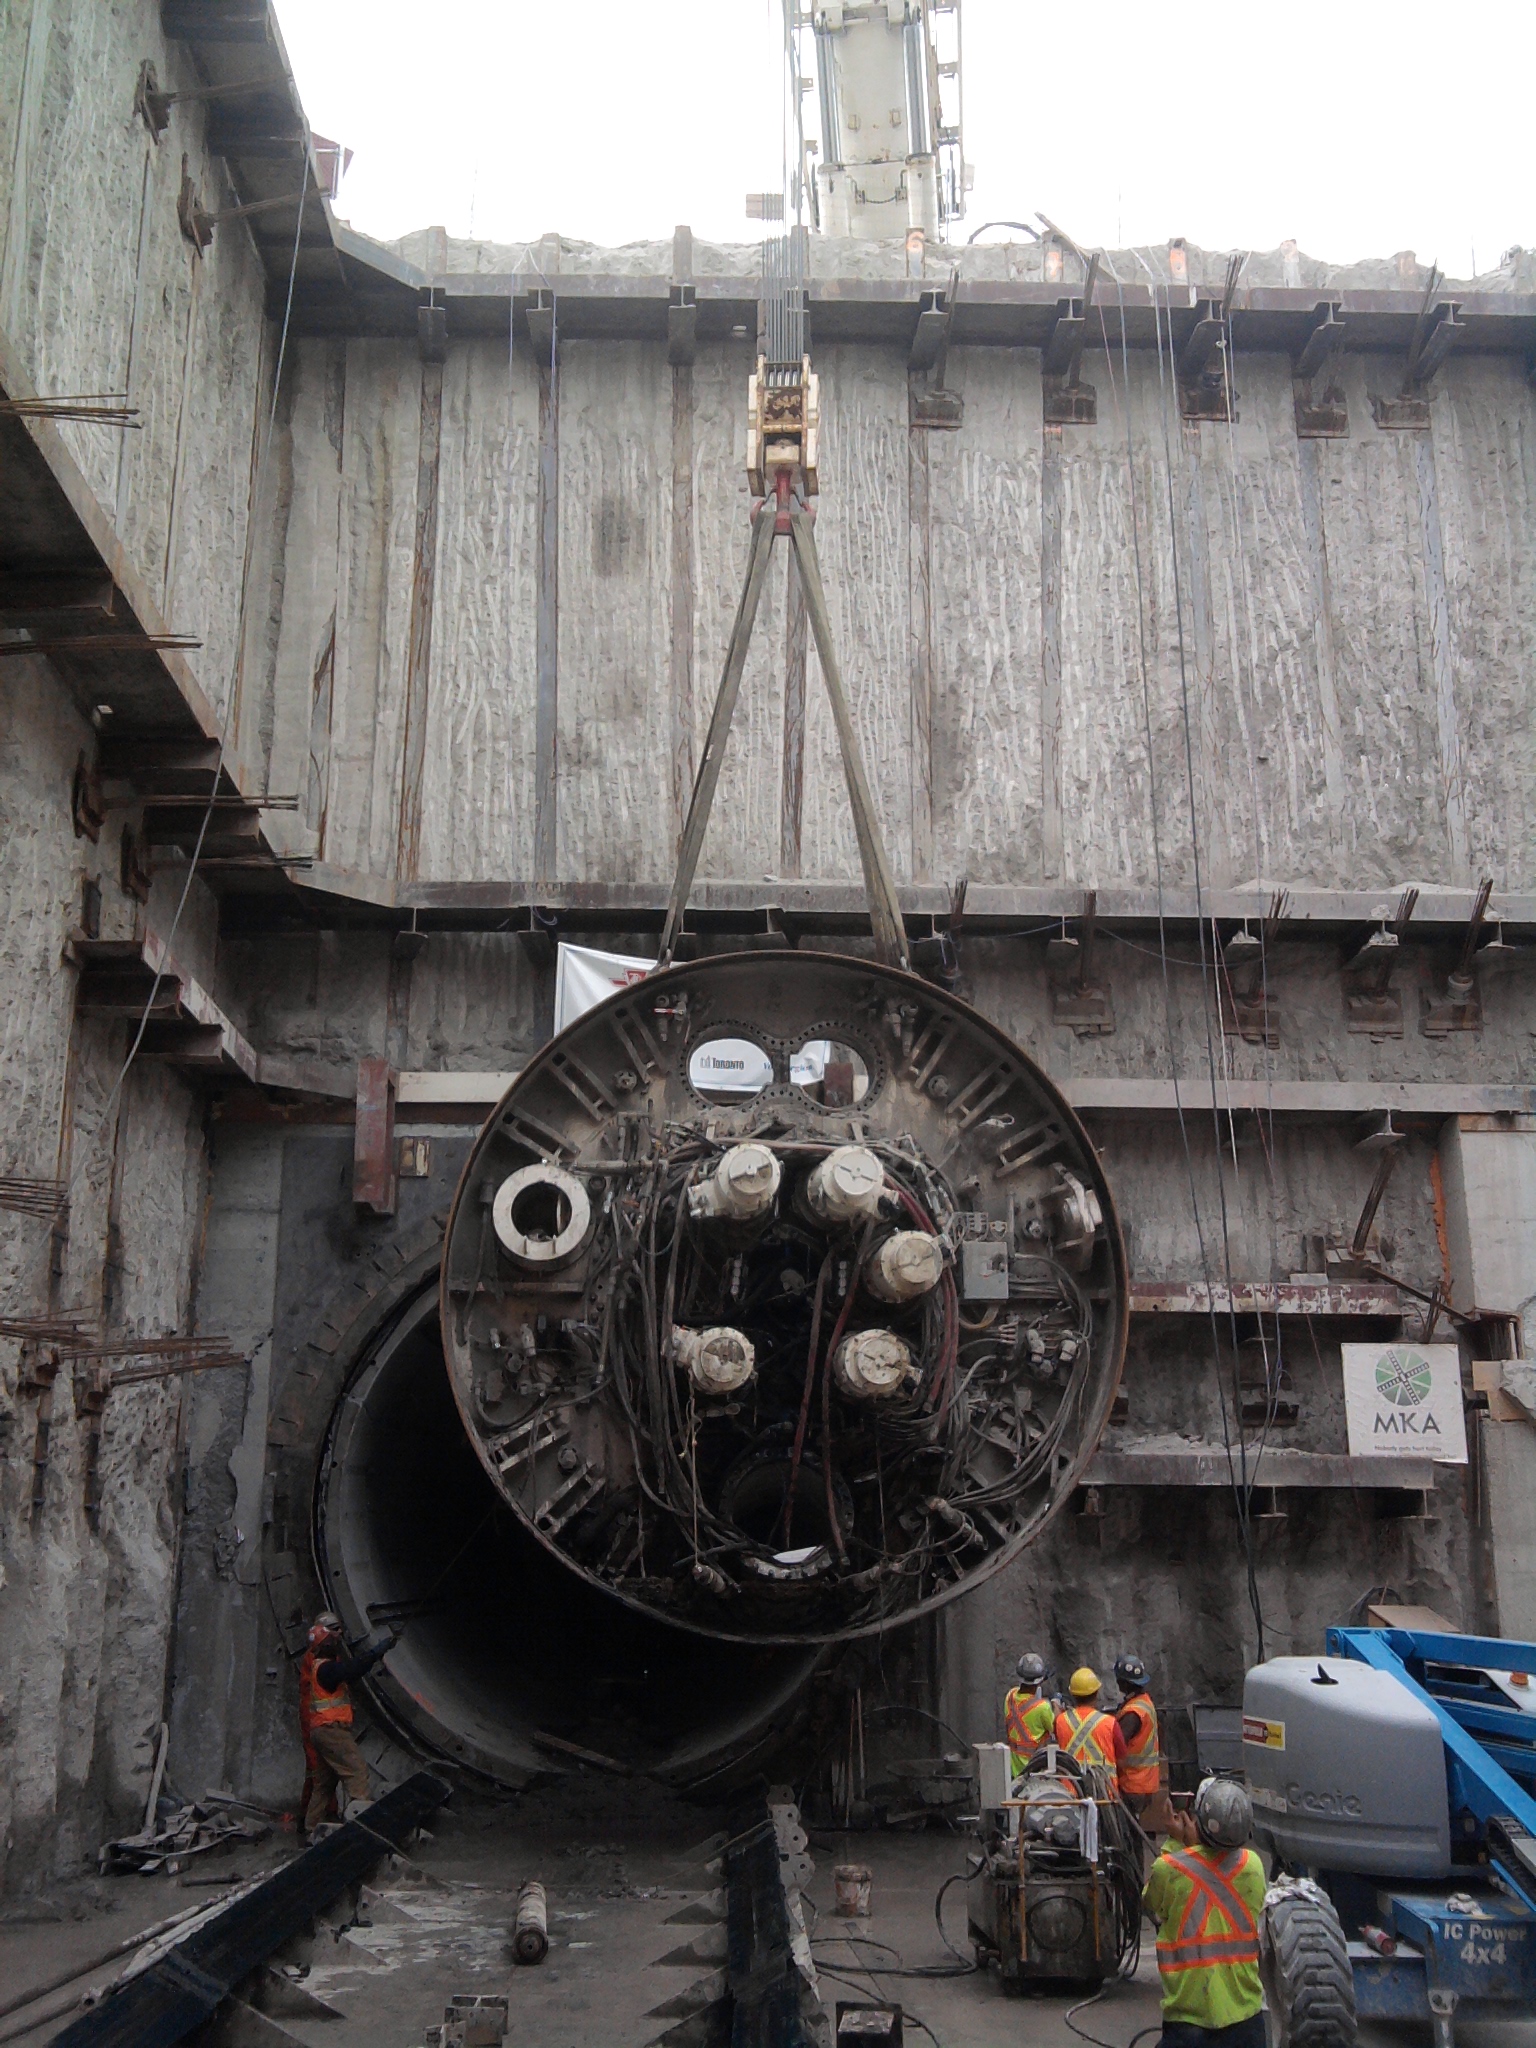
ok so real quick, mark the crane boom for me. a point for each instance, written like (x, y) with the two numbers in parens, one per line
(887, 80)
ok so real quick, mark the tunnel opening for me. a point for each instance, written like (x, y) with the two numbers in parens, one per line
(508, 1655)
(776, 1501)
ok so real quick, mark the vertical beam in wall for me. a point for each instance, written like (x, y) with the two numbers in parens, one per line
(418, 659)
(920, 634)
(680, 354)
(135, 324)
(796, 654)
(173, 510)
(1442, 655)
(1322, 622)
(1050, 652)
(13, 263)
(543, 332)
(1210, 825)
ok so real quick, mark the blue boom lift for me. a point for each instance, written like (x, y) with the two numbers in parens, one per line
(1394, 1780)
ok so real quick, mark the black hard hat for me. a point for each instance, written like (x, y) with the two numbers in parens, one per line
(1032, 1669)
(1130, 1673)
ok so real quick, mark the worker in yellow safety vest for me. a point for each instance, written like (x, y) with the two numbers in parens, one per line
(1029, 1717)
(1206, 1893)
(1088, 1735)
(1141, 1774)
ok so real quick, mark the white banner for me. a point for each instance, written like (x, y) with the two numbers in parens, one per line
(1404, 1400)
(584, 977)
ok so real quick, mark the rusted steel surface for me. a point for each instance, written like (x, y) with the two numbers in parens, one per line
(373, 1154)
(1265, 1297)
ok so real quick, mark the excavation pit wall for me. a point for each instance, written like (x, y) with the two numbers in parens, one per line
(1060, 645)
(1162, 1571)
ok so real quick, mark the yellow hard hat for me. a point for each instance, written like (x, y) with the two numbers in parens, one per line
(1083, 1683)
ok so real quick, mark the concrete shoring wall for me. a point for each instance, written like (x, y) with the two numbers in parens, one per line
(101, 293)
(86, 1614)
(1356, 620)
(1029, 621)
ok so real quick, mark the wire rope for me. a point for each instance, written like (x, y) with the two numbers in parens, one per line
(1121, 393)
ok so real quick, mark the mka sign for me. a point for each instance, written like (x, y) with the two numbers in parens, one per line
(1404, 1400)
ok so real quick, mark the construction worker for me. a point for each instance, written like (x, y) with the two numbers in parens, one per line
(1206, 1892)
(1088, 1735)
(1029, 1717)
(331, 1754)
(1141, 1774)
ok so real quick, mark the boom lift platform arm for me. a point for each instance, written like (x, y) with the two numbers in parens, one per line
(1421, 1879)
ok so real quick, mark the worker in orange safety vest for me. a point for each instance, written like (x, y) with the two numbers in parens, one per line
(331, 1755)
(1206, 1893)
(1088, 1735)
(1029, 1716)
(1141, 1773)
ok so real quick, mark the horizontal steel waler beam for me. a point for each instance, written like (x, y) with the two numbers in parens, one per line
(382, 291)
(321, 897)
(457, 1097)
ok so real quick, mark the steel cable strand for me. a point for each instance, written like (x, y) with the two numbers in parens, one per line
(1121, 392)
(856, 1268)
(1242, 1484)
(805, 1399)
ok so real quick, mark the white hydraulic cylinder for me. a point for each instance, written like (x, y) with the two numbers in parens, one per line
(742, 1187)
(847, 1186)
(908, 1264)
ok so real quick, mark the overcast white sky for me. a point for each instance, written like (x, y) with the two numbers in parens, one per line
(1357, 128)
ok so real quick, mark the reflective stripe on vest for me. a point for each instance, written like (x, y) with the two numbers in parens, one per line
(1196, 1946)
(1021, 1740)
(1139, 1772)
(317, 1707)
(1091, 1732)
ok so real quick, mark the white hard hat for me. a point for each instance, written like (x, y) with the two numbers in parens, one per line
(1223, 1813)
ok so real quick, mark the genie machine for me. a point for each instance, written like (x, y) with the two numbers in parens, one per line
(1392, 1780)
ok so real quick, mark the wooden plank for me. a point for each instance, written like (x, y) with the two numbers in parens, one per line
(1139, 1096)
(414, 1090)
(1295, 1098)
(1424, 1619)
(418, 660)
(1211, 1467)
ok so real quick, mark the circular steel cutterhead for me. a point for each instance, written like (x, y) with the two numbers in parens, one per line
(811, 1154)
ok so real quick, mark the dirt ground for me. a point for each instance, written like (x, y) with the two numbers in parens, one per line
(616, 1866)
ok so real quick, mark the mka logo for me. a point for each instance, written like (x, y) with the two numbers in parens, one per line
(1405, 1398)
(1404, 1381)
(1404, 1378)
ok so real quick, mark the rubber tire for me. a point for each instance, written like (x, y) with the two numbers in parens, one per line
(1308, 1981)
